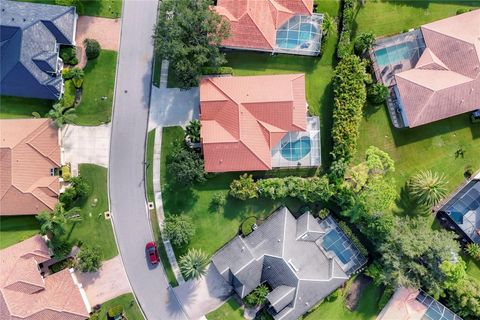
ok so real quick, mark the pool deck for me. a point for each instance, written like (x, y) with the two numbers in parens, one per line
(312, 159)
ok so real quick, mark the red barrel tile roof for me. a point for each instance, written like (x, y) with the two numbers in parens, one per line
(243, 118)
(446, 80)
(254, 23)
(25, 294)
(29, 148)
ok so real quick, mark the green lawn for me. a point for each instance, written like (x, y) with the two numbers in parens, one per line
(99, 82)
(98, 8)
(17, 228)
(230, 310)
(149, 159)
(127, 301)
(18, 107)
(94, 229)
(213, 229)
(336, 310)
(389, 17)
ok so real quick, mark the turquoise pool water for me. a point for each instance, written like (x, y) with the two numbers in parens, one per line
(337, 243)
(392, 55)
(293, 38)
(296, 150)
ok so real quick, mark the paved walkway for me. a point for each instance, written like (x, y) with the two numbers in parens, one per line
(105, 31)
(85, 145)
(159, 204)
(204, 295)
(107, 283)
(172, 106)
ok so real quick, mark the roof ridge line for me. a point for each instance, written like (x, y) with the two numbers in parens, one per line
(46, 204)
(261, 32)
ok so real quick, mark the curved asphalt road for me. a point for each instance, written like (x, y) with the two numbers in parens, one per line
(126, 173)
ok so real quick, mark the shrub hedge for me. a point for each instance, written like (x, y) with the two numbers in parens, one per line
(349, 233)
(344, 44)
(311, 189)
(349, 98)
(217, 70)
(69, 94)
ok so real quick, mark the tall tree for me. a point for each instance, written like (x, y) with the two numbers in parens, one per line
(52, 223)
(179, 229)
(188, 34)
(412, 253)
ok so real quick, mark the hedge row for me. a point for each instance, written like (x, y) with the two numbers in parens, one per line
(69, 94)
(349, 233)
(306, 189)
(349, 98)
(344, 46)
(217, 70)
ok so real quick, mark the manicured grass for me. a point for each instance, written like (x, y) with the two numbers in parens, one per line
(393, 16)
(213, 229)
(149, 159)
(98, 8)
(127, 301)
(328, 6)
(17, 228)
(367, 308)
(230, 310)
(99, 82)
(473, 267)
(18, 107)
(94, 229)
(431, 146)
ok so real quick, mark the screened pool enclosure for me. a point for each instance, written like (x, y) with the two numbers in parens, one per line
(300, 35)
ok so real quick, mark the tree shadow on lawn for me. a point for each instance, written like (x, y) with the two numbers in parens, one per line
(408, 207)
(407, 136)
(178, 198)
(425, 4)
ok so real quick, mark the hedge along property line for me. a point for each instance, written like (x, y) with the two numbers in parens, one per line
(348, 232)
(344, 46)
(349, 98)
(311, 189)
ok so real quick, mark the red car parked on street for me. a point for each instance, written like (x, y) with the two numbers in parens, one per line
(152, 252)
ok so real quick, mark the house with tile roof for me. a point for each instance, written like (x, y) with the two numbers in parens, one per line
(301, 260)
(438, 74)
(288, 26)
(26, 294)
(29, 152)
(256, 123)
(30, 37)
(413, 304)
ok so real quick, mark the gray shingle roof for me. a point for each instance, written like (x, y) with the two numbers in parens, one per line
(29, 34)
(278, 253)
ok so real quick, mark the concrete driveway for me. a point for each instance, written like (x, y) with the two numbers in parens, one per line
(199, 297)
(172, 107)
(105, 31)
(107, 283)
(85, 145)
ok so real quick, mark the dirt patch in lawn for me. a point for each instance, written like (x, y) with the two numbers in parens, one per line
(355, 291)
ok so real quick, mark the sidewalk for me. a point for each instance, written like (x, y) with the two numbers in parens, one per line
(159, 205)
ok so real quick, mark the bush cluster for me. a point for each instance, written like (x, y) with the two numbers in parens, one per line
(258, 296)
(69, 55)
(311, 189)
(247, 225)
(217, 70)
(377, 93)
(349, 98)
(92, 48)
(79, 189)
(69, 94)
(344, 46)
(349, 233)
(186, 166)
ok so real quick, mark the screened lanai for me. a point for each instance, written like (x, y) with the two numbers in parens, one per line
(301, 35)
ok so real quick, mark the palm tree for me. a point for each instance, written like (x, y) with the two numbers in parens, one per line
(428, 187)
(61, 115)
(194, 263)
(328, 24)
(193, 131)
(52, 223)
(473, 250)
(77, 75)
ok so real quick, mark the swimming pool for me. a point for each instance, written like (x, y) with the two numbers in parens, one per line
(392, 55)
(296, 150)
(338, 243)
(300, 36)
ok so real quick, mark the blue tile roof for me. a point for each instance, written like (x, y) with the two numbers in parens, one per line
(29, 38)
